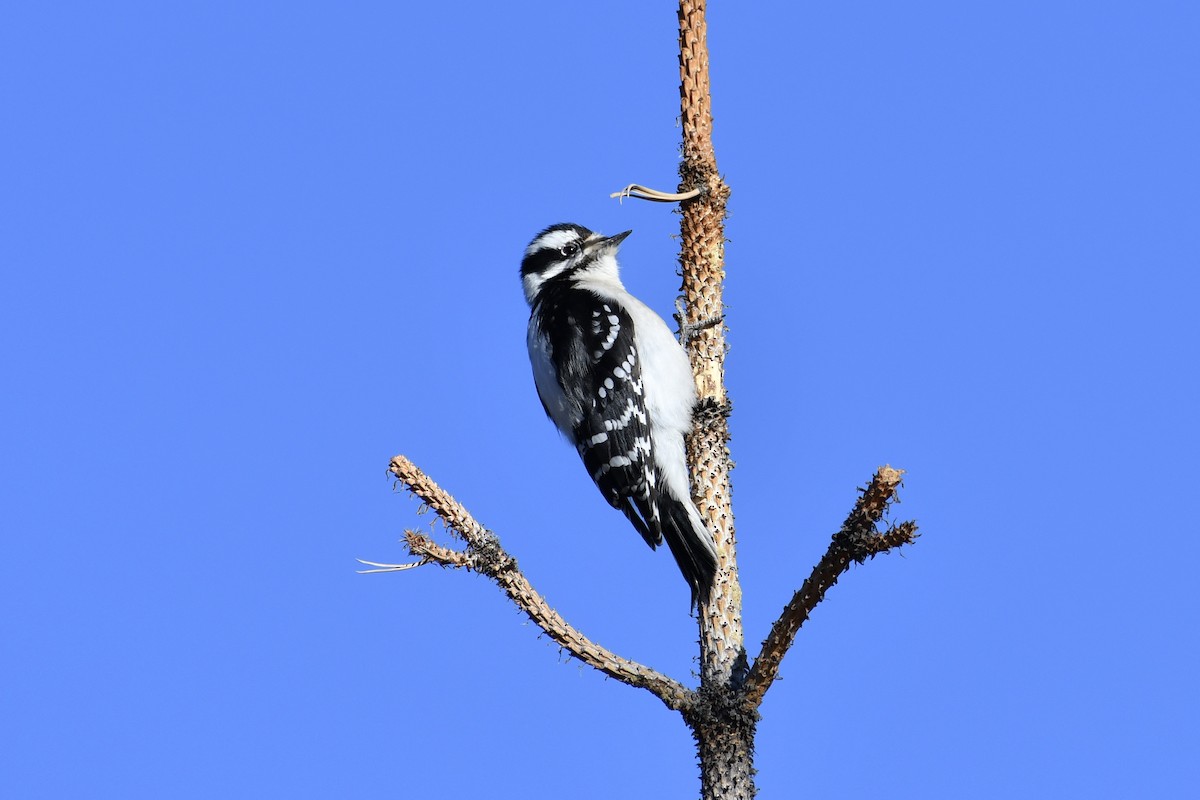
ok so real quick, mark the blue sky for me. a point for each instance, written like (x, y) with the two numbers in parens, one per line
(252, 250)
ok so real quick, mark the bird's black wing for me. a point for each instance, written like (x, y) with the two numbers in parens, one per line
(613, 434)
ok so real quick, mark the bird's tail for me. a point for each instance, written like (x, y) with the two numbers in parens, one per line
(691, 543)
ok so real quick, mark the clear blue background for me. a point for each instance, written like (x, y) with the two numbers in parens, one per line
(250, 251)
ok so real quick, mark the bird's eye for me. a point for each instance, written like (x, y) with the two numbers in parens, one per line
(569, 249)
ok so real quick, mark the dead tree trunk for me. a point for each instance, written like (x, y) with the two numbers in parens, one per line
(723, 728)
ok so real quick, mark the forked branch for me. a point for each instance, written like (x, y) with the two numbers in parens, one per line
(856, 541)
(484, 554)
(723, 712)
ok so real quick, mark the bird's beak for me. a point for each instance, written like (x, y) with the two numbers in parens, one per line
(615, 241)
(610, 243)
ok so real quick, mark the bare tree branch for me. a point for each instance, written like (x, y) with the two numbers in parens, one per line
(431, 552)
(856, 541)
(636, 190)
(484, 554)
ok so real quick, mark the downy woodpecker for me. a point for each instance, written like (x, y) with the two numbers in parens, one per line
(618, 385)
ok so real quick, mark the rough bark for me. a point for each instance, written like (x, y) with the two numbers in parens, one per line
(723, 728)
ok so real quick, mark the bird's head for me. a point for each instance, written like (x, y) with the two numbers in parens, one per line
(568, 251)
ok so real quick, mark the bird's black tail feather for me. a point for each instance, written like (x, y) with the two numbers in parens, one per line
(691, 543)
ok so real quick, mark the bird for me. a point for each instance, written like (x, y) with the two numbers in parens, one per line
(617, 384)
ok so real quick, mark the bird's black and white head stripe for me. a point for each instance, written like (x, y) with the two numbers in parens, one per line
(564, 251)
